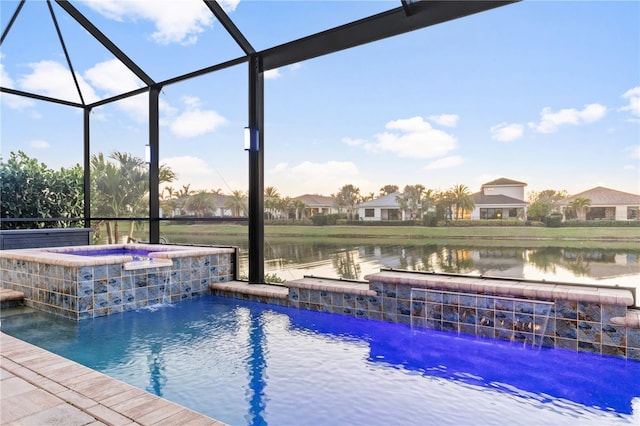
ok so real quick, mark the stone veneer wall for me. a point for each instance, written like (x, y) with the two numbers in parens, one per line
(80, 292)
(584, 319)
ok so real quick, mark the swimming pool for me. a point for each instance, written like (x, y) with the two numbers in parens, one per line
(247, 363)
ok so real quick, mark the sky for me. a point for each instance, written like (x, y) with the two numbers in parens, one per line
(542, 92)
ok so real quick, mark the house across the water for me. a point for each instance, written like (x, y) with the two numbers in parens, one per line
(500, 199)
(382, 208)
(317, 204)
(604, 204)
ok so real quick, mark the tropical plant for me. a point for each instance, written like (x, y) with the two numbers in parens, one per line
(271, 201)
(298, 207)
(370, 196)
(388, 189)
(201, 203)
(271, 192)
(462, 200)
(120, 188)
(444, 202)
(542, 203)
(411, 200)
(580, 206)
(237, 203)
(30, 189)
(348, 197)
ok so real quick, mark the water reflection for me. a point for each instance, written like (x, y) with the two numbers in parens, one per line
(564, 264)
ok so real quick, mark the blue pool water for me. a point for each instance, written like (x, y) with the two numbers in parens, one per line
(247, 363)
(111, 252)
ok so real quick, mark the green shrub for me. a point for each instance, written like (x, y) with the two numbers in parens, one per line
(430, 219)
(289, 222)
(554, 220)
(485, 222)
(534, 223)
(319, 220)
(602, 223)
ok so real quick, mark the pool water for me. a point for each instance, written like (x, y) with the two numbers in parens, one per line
(110, 252)
(247, 363)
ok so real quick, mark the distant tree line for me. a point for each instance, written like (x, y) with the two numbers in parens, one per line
(120, 189)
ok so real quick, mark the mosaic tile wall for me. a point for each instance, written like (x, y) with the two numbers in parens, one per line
(578, 326)
(505, 318)
(92, 291)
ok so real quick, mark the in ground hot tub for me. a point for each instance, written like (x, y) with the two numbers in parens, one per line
(88, 281)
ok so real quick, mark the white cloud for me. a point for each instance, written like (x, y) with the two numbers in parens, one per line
(507, 132)
(229, 5)
(272, 74)
(53, 79)
(279, 167)
(192, 170)
(39, 144)
(353, 142)
(195, 122)
(277, 73)
(413, 138)
(448, 120)
(445, 163)
(175, 21)
(550, 121)
(191, 101)
(322, 178)
(12, 101)
(633, 151)
(112, 77)
(633, 95)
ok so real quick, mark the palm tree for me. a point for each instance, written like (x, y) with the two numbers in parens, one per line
(411, 200)
(462, 201)
(298, 206)
(200, 203)
(108, 200)
(444, 205)
(368, 197)
(271, 200)
(237, 203)
(271, 192)
(388, 189)
(121, 189)
(167, 200)
(581, 206)
(283, 207)
(185, 191)
(348, 197)
(428, 200)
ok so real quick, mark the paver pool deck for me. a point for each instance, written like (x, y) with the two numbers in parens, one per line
(40, 388)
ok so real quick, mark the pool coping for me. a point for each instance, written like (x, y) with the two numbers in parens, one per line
(536, 290)
(40, 387)
(60, 255)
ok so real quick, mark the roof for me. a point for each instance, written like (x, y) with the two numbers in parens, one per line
(505, 182)
(604, 196)
(315, 200)
(388, 200)
(482, 200)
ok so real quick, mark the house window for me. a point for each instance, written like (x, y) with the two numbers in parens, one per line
(490, 213)
(369, 212)
(632, 213)
(601, 213)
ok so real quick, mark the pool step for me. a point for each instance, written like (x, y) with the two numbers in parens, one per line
(10, 298)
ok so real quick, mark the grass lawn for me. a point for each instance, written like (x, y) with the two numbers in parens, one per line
(628, 235)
